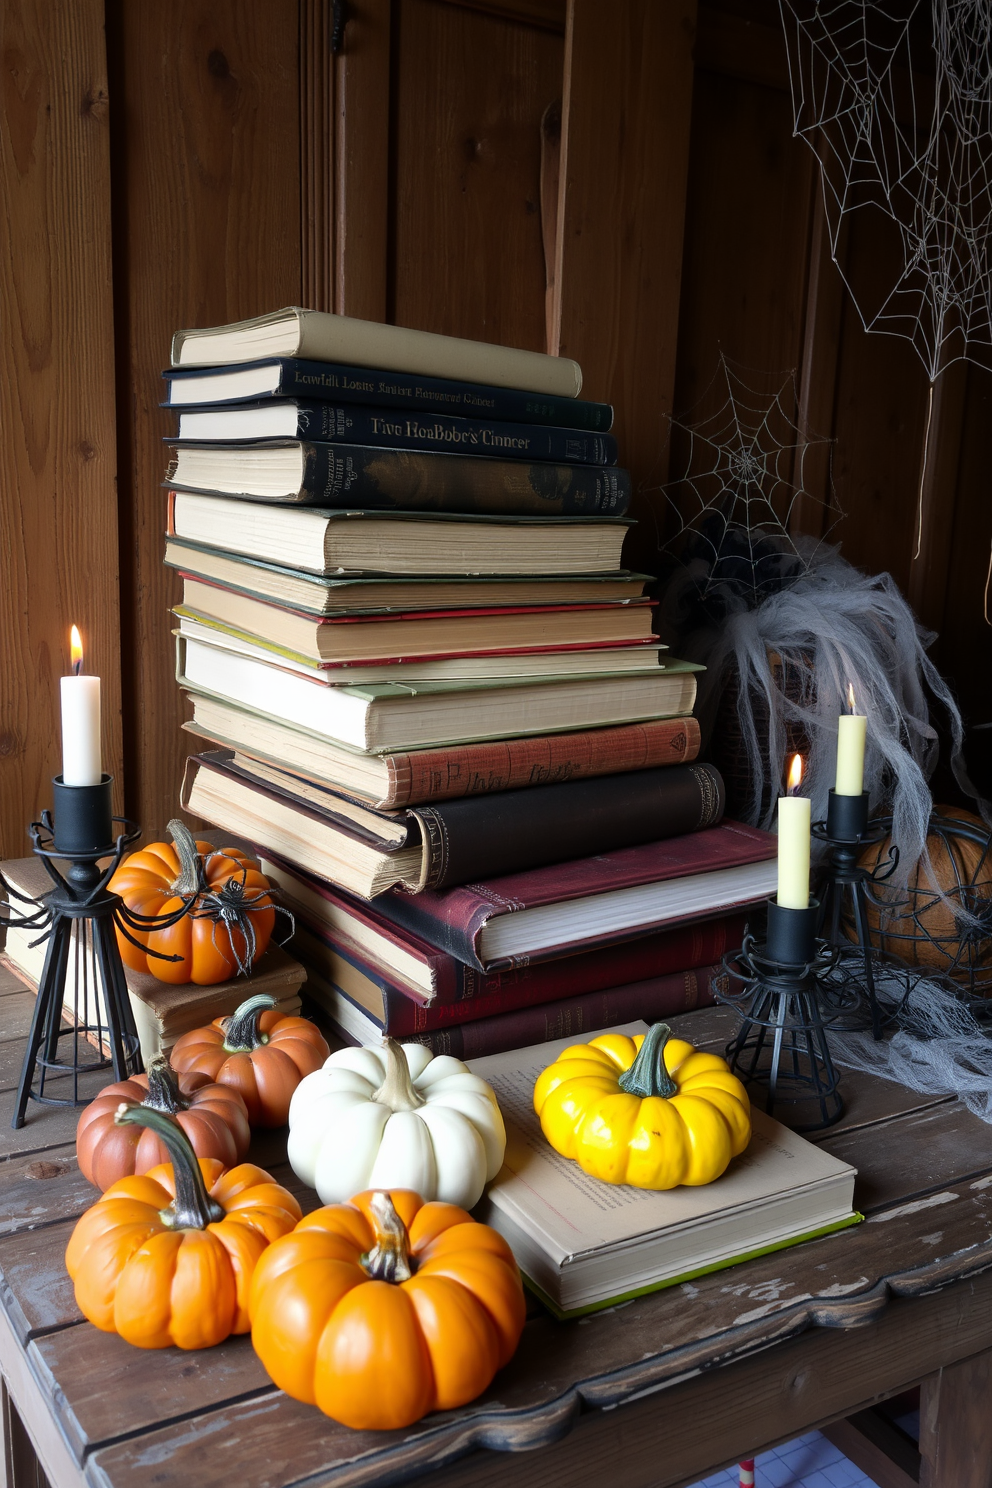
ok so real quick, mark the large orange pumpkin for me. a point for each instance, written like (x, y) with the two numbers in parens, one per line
(260, 1053)
(385, 1308)
(214, 1118)
(229, 914)
(168, 1257)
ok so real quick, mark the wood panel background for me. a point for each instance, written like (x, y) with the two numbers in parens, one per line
(198, 162)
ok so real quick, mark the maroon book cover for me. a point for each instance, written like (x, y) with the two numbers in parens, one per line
(405, 1013)
(453, 919)
(579, 1017)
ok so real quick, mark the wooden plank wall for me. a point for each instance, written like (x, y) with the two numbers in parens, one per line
(241, 165)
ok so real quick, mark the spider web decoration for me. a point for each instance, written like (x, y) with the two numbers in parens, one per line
(894, 97)
(744, 473)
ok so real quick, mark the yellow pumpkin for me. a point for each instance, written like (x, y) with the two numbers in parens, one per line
(650, 1111)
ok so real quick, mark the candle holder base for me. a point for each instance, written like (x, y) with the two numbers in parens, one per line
(781, 1047)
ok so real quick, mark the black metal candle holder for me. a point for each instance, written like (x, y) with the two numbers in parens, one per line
(846, 832)
(778, 986)
(79, 918)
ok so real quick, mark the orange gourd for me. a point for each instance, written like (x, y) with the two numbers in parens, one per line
(385, 1308)
(221, 907)
(168, 1257)
(214, 1118)
(260, 1053)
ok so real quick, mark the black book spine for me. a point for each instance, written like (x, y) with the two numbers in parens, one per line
(480, 838)
(304, 379)
(441, 434)
(348, 475)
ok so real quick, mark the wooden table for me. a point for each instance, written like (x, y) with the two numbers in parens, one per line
(656, 1392)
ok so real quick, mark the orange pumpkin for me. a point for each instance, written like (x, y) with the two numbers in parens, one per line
(260, 1053)
(214, 1118)
(223, 913)
(385, 1308)
(168, 1257)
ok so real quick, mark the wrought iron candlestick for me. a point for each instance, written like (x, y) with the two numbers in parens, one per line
(846, 832)
(782, 1042)
(79, 917)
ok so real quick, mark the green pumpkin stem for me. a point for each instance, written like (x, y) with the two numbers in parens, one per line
(397, 1089)
(241, 1031)
(389, 1258)
(648, 1075)
(190, 879)
(163, 1089)
(192, 1208)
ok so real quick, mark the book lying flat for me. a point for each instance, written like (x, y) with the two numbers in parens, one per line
(614, 896)
(399, 975)
(583, 1244)
(444, 774)
(313, 594)
(563, 661)
(162, 1011)
(323, 337)
(417, 634)
(350, 475)
(291, 377)
(350, 423)
(573, 1017)
(450, 842)
(397, 543)
(389, 716)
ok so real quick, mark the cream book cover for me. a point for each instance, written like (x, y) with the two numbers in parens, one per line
(584, 1243)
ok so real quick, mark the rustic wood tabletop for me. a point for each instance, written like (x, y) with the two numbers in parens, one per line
(675, 1384)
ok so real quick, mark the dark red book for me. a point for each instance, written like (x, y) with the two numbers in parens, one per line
(572, 1017)
(545, 913)
(399, 1012)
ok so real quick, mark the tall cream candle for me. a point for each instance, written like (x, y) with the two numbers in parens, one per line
(794, 843)
(851, 732)
(81, 758)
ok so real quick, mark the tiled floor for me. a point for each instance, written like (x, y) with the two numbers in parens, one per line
(808, 1462)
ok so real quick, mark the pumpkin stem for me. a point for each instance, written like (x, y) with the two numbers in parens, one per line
(241, 1032)
(648, 1075)
(389, 1258)
(192, 1208)
(189, 881)
(396, 1090)
(163, 1089)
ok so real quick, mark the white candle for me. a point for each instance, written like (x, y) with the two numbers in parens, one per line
(793, 843)
(81, 759)
(851, 730)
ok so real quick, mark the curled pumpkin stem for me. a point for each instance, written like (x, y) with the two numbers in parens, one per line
(190, 880)
(648, 1074)
(163, 1089)
(241, 1031)
(389, 1259)
(192, 1208)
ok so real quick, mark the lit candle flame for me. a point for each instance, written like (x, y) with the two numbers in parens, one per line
(76, 650)
(850, 698)
(795, 774)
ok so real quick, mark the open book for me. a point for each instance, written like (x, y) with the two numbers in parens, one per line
(583, 1244)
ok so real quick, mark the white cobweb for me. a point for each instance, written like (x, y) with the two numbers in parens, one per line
(894, 97)
(743, 474)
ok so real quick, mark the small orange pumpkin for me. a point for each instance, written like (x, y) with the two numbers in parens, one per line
(214, 1118)
(385, 1308)
(229, 914)
(167, 1258)
(260, 1053)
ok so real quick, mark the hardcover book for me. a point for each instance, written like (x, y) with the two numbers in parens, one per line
(583, 1245)
(289, 377)
(351, 475)
(349, 423)
(323, 337)
(445, 774)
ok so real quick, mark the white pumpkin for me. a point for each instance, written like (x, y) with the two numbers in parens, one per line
(395, 1117)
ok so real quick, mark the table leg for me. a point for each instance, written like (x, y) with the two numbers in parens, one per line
(956, 1425)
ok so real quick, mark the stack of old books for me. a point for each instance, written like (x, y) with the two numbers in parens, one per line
(438, 705)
